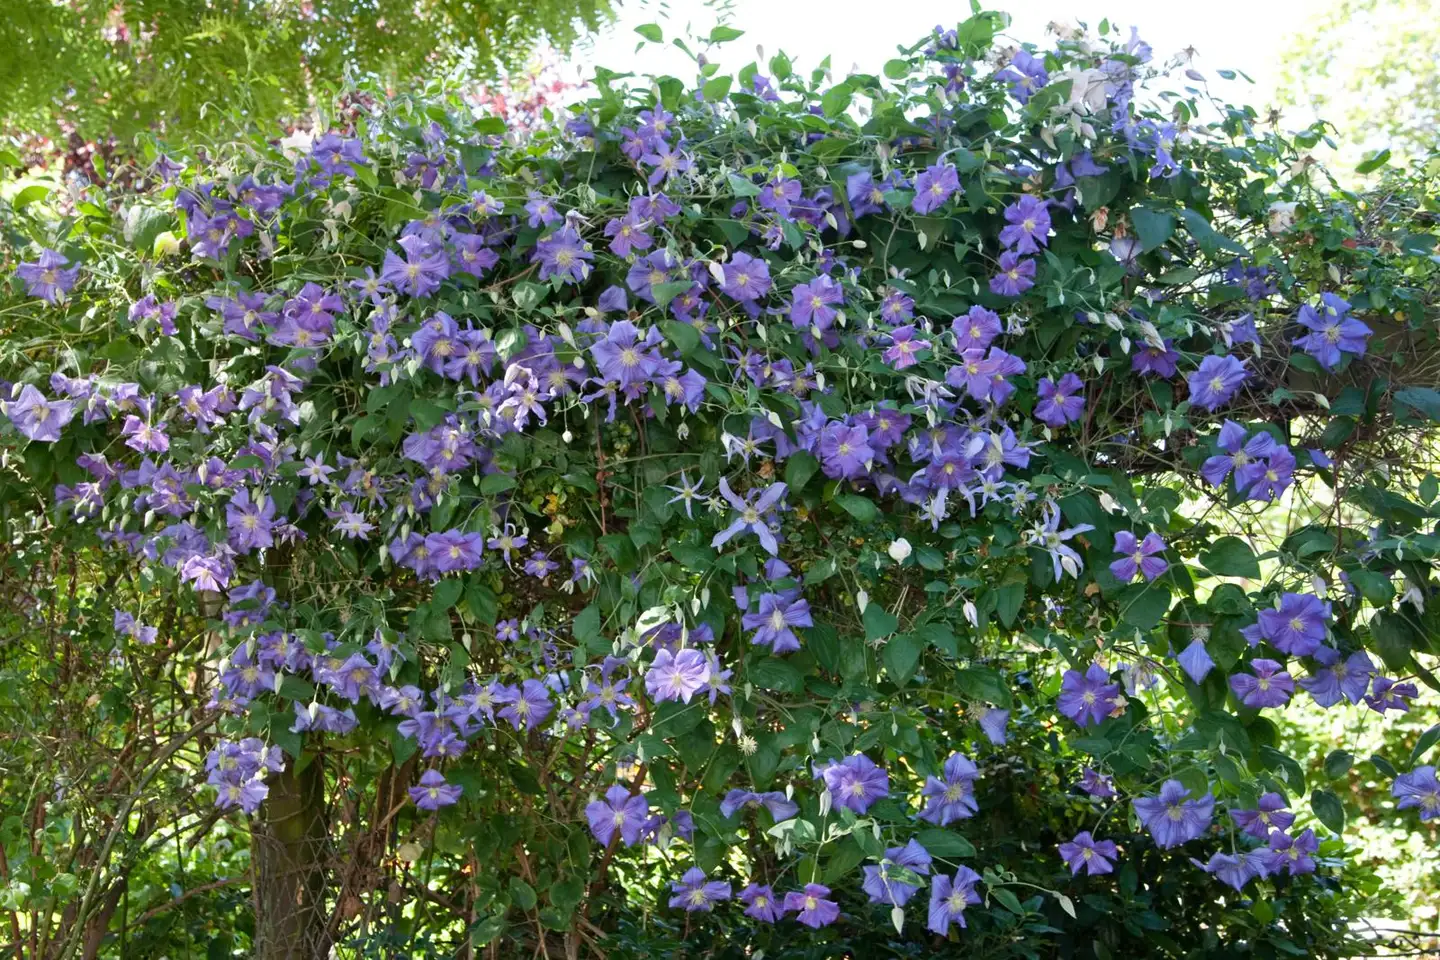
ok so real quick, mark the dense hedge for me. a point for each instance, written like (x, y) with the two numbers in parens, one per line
(771, 513)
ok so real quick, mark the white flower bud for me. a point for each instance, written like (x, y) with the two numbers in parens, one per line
(899, 550)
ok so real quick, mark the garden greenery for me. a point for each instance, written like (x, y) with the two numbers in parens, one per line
(782, 513)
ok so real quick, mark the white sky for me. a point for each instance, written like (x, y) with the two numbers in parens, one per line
(1247, 35)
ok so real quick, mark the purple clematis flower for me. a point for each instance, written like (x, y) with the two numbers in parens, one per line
(1084, 852)
(1216, 382)
(676, 676)
(992, 723)
(760, 903)
(1026, 75)
(811, 906)
(855, 782)
(541, 210)
(883, 885)
(695, 894)
(1269, 686)
(1140, 556)
(1027, 225)
(249, 522)
(1017, 274)
(1298, 626)
(143, 436)
(845, 450)
(1089, 697)
(1337, 679)
(1153, 361)
(773, 623)
(976, 330)
(774, 801)
(1171, 818)
(1388, 694)
(949, 896)
(934, 186)
(620, 812)
(626, 357)
(1234, 870)
(528, 706)
(1245, 457)
(1269, 814)
(433, 792)
(564, 255)
(904, 347)
(747, 278)
(1273, 476)
(1097, 784)
(953, 797)
(1333, 334)
(1048, 536)
(47, 277)
(815, 303)
(37, 418)
(1195, 661)
(751, 515)
(1060, 403)
(1420, 790)
(420, 272)
(1292, 855)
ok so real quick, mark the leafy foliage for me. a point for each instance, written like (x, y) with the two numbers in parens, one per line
(194, 65)
(543, 539)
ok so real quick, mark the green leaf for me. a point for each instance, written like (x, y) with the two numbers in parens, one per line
(493, 483)
(651, 32)
(1145, 604)
(665, 292)
(31, 194)
(983, 683)
(799, 468)
(820, 571)
(522, 894)
(1393, 638)
(1152, 227)
(879, 622)
(447, 592)
(586, 625)
(427, 413)
(1424, 401)
(1427, 740)
(1008, 900)
(567, 894)
(861, 508)
(1008, 598)
(835, 100)
(718, 88)
(296, 688)
(685, 337)
(724, 34)
(1338, 762)
(484, 605)
(742, 186)
(1328, 810)
(1373, 586)
(772, 673)
(1231, 557)
(945, 843)
(902, 656)
(1374, 162)
(897, 69)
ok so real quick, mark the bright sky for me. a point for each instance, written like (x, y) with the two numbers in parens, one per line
(1241, 34)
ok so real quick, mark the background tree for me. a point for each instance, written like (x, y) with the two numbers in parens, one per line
(1372, 68)
(102, 67)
